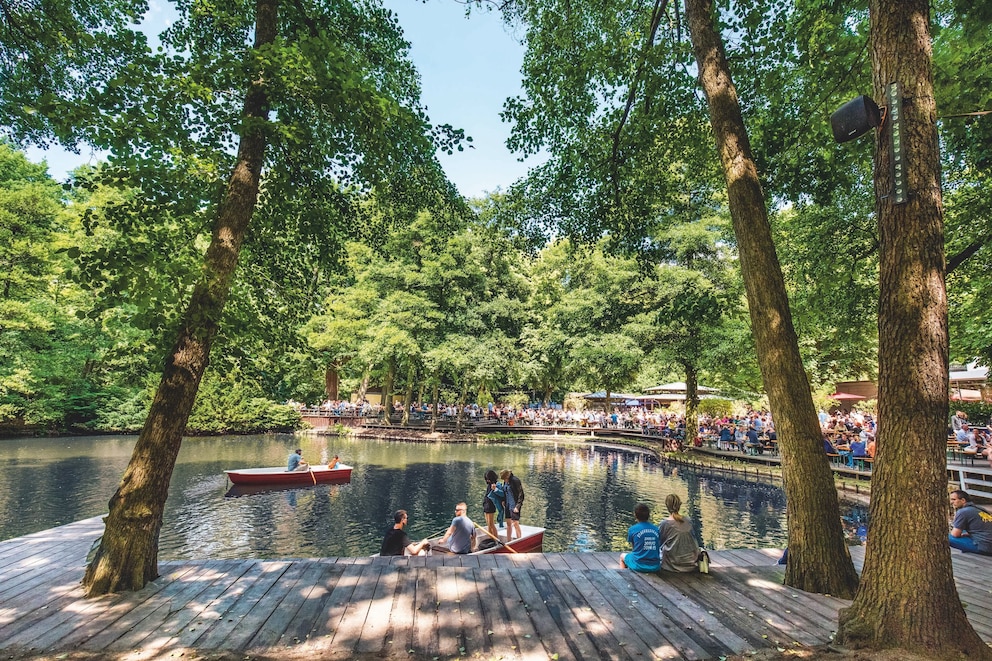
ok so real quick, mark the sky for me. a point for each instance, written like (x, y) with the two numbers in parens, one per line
(468, 67)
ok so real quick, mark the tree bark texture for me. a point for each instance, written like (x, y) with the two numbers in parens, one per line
(128, 554)
(691, 403)
(819, 560)
(907, 596)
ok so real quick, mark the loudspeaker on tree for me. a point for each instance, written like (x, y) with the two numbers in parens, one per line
(854, 119)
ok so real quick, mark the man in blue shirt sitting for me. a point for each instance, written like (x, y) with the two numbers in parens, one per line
(646, 541)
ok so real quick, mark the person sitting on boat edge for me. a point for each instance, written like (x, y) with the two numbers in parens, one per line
(296, 461)
(461, 532)
(334, 463)
(971, 531)
(396, 541)
(646, 542)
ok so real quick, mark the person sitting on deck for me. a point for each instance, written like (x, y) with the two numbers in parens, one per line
(646, 542)
(679, 550)
(396, 541)
(296, 462)
(971, 531)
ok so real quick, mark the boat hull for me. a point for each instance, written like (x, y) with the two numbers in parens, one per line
(282, 477)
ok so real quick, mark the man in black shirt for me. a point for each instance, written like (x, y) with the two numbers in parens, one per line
(396, 540)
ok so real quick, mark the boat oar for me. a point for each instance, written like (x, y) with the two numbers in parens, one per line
(498, 540)
(312, 476)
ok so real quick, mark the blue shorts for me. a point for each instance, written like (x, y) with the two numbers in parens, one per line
(632, 563)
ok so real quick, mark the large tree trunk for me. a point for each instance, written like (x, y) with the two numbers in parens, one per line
(128, 554)
(907, 596)
(819, 560)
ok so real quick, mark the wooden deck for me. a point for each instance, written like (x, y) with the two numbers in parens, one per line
(536, 606)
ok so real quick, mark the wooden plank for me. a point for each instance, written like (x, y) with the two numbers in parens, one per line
(307, 620)
(563, 606)
(266, 606)
(399, 634)
(273, 631)
(59, 619)
(551, 636)
(348, 629)
(474, 638)
(600, 630)
(449, 617)
(636, 635)
(189, 620)
(147, 613)
(495, 621)
(374, 632)
(763, 627)
(643, 615)
(254, 589)
(706, 628)
(525, 635)
(159, 630)
(765, 586)
(425, 630)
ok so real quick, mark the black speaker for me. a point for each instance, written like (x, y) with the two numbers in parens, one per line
(854, 119)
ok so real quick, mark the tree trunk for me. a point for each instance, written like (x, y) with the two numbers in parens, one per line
(408, 396)
(387, 391)
(907, 596)
(434, 395)
(819, 560)
(606, 405)
(691, 404)
(331, 381)
(128, 554)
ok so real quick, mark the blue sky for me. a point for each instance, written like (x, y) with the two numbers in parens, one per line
(468, 67)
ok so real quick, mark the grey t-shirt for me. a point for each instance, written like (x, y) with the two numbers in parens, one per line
(978, 524)
(679, 550)
(461, 539)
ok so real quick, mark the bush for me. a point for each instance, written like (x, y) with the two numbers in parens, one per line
(978, 412)
(227, 405)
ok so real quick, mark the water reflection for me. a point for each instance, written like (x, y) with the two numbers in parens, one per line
(582, 494)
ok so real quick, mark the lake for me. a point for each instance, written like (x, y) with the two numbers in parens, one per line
(583, 494)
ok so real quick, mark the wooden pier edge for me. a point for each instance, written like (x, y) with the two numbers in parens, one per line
(528, 606)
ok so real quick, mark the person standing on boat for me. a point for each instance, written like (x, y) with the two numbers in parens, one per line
(461, 532)
(646, 542)
(296, 462)
(514, 500)
(396, 541)
(489, 506)
(679, 550)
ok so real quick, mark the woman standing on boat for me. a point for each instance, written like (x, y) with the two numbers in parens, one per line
(514, 490)
(489, 504)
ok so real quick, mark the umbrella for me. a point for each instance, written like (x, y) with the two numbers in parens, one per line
(632, 402)
(845, 395)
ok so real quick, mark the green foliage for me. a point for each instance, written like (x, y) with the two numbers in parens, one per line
(979, 413)
(518, 400)
(716, 407)
(229, 404)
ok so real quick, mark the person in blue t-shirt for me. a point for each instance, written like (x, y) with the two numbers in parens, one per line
(644, 538)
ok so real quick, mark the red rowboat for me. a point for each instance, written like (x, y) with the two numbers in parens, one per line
(530, 541)
(281, 476)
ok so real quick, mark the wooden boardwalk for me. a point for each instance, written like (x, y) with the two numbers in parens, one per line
(536, 606)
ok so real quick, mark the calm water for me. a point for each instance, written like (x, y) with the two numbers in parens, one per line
(582, 494)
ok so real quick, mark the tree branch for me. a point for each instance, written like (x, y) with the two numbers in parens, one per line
(969, 251)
